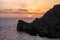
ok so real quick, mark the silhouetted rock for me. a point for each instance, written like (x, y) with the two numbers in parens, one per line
(49, 24)
(46, 26)
(25, 27)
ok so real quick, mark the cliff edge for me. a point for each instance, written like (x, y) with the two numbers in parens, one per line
(46, 26)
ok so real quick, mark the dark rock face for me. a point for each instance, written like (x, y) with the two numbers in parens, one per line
(46, 26)
(25, 27)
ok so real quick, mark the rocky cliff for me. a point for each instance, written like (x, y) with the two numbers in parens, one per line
(46, 26)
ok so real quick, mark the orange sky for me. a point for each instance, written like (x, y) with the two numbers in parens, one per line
(30, 5)
(20, 15)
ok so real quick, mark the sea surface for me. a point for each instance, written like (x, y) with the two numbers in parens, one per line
(8, 30)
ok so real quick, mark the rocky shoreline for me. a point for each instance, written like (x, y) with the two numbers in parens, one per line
(46, 26)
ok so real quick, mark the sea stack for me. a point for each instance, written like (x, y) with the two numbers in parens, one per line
(46, 26)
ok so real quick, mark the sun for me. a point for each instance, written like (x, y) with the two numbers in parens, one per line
(29, 15)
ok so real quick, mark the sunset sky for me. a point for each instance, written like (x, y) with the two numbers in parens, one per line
(30, 5)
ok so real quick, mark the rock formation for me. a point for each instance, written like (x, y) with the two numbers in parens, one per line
(46, 26)
(25, 27)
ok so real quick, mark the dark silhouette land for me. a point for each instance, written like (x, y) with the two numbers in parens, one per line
(46, 26)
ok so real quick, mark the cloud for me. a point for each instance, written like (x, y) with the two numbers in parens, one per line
(26, 4)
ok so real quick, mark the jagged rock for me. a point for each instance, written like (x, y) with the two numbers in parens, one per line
(46, 26)
(49, 23)
(25, 27)
(22, 25)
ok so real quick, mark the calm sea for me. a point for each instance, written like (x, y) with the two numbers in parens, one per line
(8, 30)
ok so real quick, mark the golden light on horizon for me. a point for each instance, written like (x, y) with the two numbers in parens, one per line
(34, 6)
(29, 16)
(20, 15)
